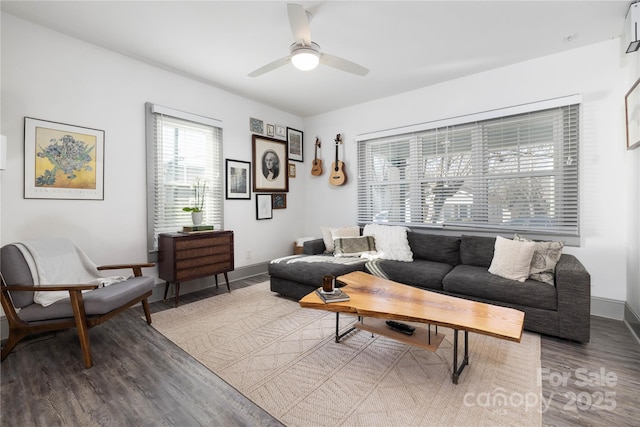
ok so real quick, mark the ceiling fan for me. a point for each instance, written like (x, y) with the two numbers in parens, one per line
(305, 54)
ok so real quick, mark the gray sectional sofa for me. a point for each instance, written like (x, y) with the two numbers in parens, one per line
(456, 266)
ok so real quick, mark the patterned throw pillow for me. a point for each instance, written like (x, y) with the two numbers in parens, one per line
(545, 258)
(354, 246)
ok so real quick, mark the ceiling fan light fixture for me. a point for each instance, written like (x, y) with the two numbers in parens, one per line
(305, 58)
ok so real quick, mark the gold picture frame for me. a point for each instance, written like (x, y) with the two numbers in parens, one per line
(62, 161)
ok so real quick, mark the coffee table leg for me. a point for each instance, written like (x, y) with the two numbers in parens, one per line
(338, 334)
(465, 361)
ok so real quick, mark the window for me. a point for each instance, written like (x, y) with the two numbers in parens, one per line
(506, 172)
(182, 149)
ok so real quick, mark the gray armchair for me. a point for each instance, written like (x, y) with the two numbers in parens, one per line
(81, 310)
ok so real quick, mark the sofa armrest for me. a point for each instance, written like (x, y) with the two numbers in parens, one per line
(313, 247)
(573, 284)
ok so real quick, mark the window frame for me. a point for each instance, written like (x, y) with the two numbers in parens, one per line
(414, 175)
(215, 189)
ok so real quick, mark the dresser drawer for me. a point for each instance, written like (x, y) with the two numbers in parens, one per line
(198, 271)
(183, 244)
(199, 252)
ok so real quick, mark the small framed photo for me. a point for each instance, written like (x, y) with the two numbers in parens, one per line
(256, 125)
(269, 160)
(280, 131)
(292, 170)
(238, 179)
(62, 161)
(264, 208)
(270, 130)
(279, 201)
(632, 108)
(294, 144)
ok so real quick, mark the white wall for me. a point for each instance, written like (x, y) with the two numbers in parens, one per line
(53, 77)
(595, 72)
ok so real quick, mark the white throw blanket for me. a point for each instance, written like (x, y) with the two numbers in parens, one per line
(58, 261)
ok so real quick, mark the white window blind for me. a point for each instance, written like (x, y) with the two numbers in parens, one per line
(508, 173)
(182, 149)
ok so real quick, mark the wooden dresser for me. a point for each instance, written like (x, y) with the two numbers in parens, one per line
(184, 256)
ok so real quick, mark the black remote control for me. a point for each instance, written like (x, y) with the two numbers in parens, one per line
(401, 327)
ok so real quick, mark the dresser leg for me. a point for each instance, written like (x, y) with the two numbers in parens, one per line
(166, 289)
(216, 276)
(226, 279)
(177, 293)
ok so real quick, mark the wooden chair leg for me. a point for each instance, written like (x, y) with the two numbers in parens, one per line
(12, 341)
(81, 325)
(147, 312)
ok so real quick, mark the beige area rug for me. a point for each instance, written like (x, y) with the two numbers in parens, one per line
(284, 358)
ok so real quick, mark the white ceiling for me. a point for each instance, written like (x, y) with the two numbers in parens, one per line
(406, 45)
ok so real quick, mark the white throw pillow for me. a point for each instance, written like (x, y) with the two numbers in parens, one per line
(545, 258)
(331, 233)
(391, 242)
(512, 259)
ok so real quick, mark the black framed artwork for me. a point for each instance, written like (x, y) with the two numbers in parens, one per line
(238, 178)
(294, 145)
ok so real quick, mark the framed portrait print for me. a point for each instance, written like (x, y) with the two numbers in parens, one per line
(238, 178)
(270, 130)
(279, 201)
(292, 170)
(632, 108)
(269, 165)
(62, 161)
(264, 206)
(294, 145)
(280, 131)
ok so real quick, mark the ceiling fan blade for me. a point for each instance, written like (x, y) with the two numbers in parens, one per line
(270, 66)
(343, 64)
(299, 22)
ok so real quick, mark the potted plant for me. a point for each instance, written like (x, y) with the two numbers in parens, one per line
(199, 189)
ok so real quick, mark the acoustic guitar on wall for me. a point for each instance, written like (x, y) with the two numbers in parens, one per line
(316, 169)
(337, 175)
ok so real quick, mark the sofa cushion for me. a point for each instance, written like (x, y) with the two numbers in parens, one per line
(96, 302)
(391, 241)
(512, 259)
(331, 233)
(434, 247)
(354, 246)
(545, 258)
(309, 269)
(476, 250)
(478, 282)
(419, 273)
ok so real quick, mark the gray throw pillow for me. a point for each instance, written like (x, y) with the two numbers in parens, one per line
(354, 246)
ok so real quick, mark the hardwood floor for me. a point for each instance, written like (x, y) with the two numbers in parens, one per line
(141, 378)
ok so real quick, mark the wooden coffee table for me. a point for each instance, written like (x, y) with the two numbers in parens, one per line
(377, 300)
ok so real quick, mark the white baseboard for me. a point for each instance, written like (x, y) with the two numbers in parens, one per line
(609, 308)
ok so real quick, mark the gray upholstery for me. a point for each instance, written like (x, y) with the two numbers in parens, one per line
(476, 250)
(16, 272)
(434, 247)
(96, 302)
(478, 282)
(458, 266)
(311, 272)
(419, 273)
